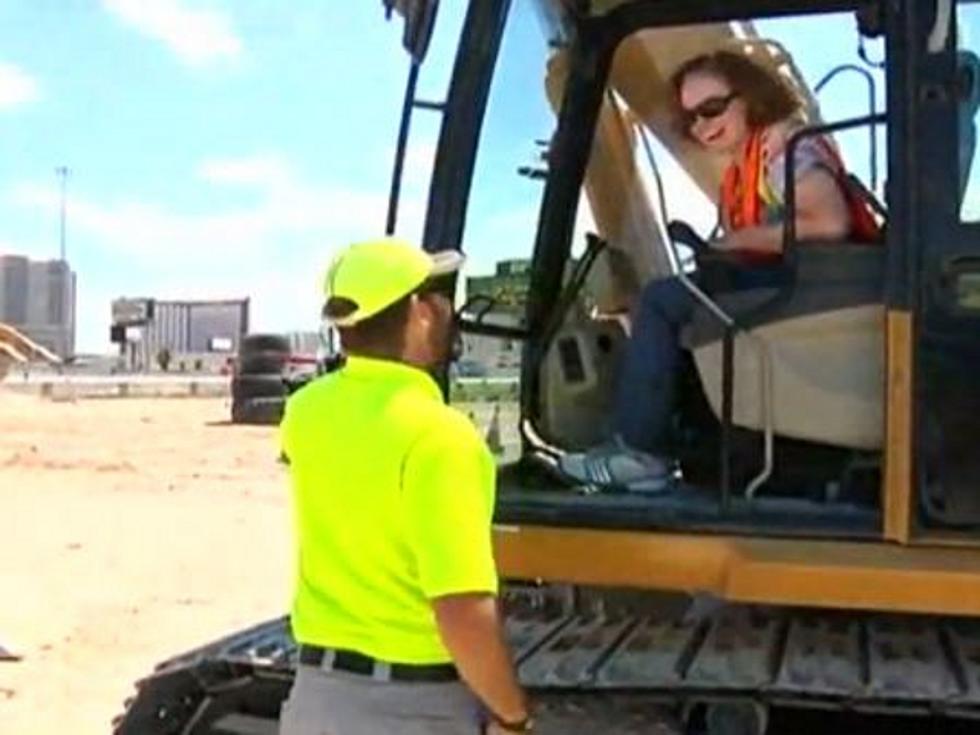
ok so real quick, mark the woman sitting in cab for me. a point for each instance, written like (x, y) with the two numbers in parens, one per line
(736, 109)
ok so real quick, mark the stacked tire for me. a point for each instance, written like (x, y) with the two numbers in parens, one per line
(258, 388)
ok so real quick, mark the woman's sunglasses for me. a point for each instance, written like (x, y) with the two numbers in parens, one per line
(709, 109)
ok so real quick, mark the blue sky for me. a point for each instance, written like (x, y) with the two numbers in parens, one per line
(223, 148)
(215, 148)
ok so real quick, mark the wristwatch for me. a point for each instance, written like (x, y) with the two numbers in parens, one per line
(525, 725)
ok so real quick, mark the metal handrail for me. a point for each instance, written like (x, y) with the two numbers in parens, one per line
(765, 359)
(728, 321)
(872, 109)
(789, 194)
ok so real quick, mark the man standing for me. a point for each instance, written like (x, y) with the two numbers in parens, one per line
(395, 606)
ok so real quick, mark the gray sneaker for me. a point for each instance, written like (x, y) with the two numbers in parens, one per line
(618, 465)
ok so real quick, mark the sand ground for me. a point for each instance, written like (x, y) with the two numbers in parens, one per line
(130, 530)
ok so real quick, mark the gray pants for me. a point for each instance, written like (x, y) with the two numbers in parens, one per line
(336, 703)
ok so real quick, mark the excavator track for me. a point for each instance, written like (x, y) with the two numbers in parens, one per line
(865, 663)
(620, 672)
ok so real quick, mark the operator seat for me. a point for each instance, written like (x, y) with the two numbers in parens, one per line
(826, 348)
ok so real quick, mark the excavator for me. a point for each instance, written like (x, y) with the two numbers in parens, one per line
(825, 514)
(16, 348)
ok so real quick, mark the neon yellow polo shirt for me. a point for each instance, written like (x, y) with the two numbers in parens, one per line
(393, 495)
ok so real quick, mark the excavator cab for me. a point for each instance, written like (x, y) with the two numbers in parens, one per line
(785, 382)
(807, 407)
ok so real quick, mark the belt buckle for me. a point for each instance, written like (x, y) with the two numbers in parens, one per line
(326, 663)
(381, 671)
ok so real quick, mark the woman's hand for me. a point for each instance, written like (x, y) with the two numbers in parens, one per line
(732, 241)
(766, 239)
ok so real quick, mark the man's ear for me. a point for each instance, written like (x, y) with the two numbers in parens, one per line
(419, 309)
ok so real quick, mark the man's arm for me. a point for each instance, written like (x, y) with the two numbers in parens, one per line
(472, 630)
(821, 214)
(448, 505)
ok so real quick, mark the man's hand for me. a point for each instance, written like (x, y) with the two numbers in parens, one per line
(494, 729)
(471, 629)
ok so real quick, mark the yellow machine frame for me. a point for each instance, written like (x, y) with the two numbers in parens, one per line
(901, 572)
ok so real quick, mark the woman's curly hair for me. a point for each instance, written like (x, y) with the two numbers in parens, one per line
(768, 99)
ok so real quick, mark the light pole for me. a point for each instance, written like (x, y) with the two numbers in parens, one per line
(62, 173)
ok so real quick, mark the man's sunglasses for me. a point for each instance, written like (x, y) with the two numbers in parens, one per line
(709, 109)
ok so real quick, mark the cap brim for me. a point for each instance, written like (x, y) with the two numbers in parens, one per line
(445, 262)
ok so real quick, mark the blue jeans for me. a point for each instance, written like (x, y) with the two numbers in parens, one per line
(648, 377)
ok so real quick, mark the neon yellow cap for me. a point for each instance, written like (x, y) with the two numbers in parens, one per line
(367, 277)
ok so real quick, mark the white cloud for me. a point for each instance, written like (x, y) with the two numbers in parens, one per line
(16, 86)
(160, 236)
(264, 170)
(197, 37)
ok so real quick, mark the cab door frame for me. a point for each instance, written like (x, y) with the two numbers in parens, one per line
(934, 402)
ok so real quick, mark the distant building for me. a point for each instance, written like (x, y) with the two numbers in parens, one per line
(506, 291)
(490, 356)
(38, 298)
(195, 335)
(508, 286)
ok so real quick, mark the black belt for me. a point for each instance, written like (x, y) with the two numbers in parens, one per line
(357, 663)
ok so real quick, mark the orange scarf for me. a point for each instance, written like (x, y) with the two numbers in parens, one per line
(745, 191)
(741, 200)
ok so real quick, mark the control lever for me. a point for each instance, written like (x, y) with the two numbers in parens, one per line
(683, 233)
(705, 255)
